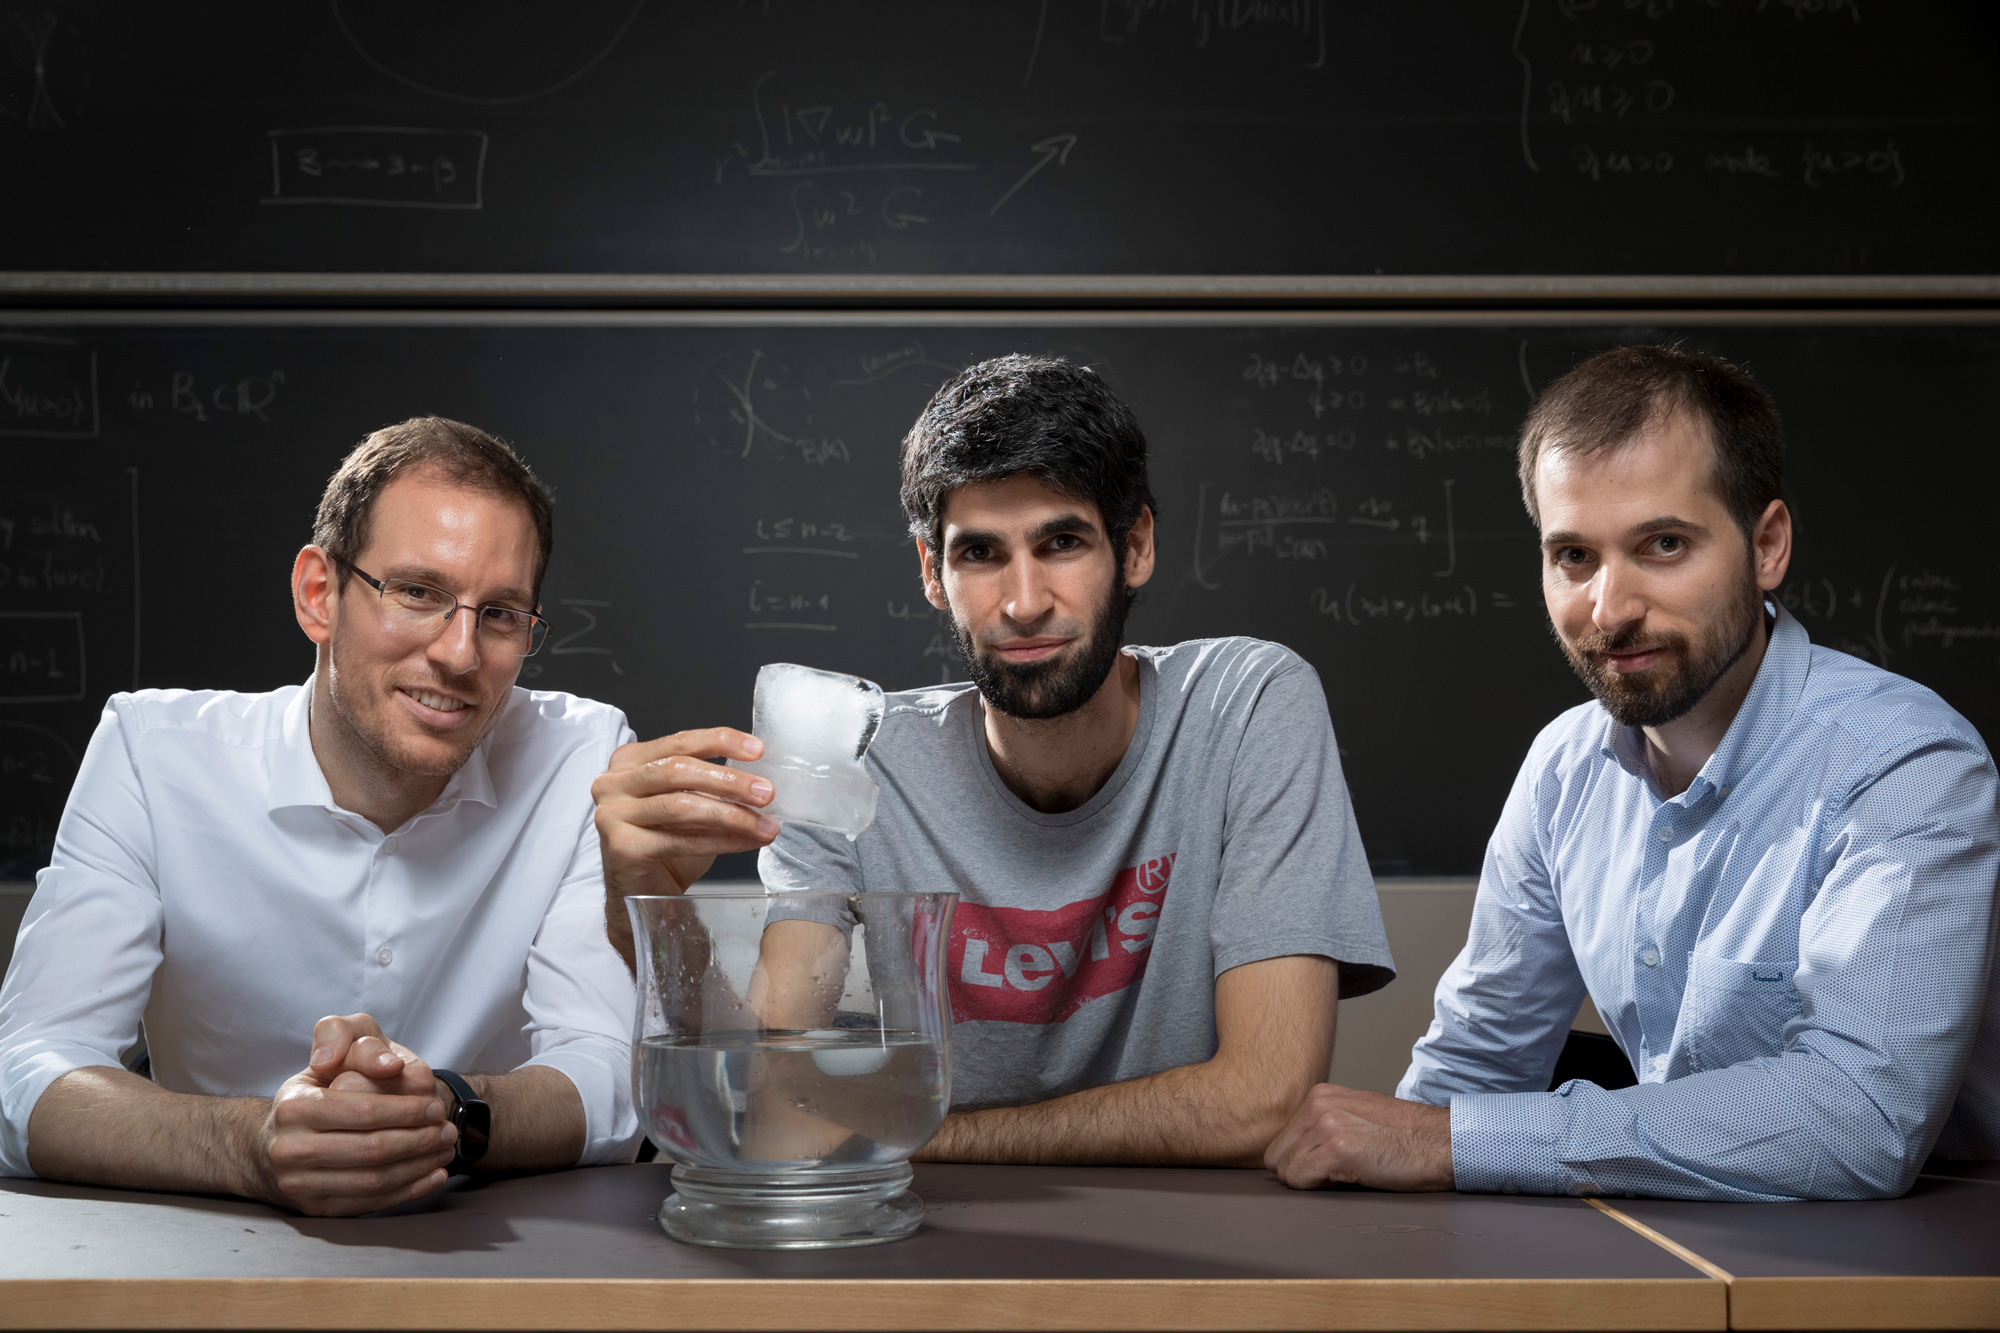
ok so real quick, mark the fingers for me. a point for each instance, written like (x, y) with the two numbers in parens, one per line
(334, 1035)
(309, 1151)
(305, 1106)
(375, 1057)
(1308, 1149)
(350, 1193)
(673, 773)
(706, 743)
(679, 824)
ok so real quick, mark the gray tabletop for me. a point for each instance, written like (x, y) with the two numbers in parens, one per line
(1947, 1226)
(983, 1223)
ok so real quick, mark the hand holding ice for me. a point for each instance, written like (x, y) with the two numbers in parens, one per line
(816, 726)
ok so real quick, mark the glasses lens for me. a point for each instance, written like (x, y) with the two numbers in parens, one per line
(414, 606)
(511, 631)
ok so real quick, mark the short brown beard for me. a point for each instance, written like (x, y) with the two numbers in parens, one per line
(383, 747)
(1692, 671)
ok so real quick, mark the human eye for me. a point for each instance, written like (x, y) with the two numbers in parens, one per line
(504, 617)
(1569, 557)
(414, 595)
(1669, 544)
(976, 553)
(1065, 541)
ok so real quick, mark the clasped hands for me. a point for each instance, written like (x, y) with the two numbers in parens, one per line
(361, 1128)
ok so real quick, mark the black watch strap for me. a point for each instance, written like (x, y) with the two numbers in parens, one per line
(473, 1117)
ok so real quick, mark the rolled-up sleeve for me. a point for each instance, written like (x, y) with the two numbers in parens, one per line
(89, 944)
(580, 1003)
(1893, 964)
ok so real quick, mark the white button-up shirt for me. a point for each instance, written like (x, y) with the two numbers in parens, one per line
(204, 881)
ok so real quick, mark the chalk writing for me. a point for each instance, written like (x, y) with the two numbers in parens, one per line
(571, 643)
(1354, 605)
(1302, 23)
(48, 387)
(378, 166)
(791, 536)
(742, 392)
(201, 399)
(42, 657)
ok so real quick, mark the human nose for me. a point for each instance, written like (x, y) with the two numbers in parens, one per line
(1028, 597)
(456, 647)
(1616, 598)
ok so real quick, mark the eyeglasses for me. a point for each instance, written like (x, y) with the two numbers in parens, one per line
(420, 611)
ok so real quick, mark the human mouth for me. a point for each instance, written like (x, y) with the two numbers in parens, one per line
(1029, 650)
(1631, 663)
(433, 707)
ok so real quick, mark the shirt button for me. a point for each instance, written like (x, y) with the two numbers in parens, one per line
(1651, 958)
(385, 955)
(1667, 834)
(388, 845)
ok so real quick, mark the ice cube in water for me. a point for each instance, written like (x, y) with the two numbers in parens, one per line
(816, 726)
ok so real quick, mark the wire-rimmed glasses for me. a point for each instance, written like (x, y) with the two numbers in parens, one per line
(420, 611)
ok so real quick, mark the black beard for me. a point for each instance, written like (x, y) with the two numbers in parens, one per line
(1058, 685)
(1693, 672)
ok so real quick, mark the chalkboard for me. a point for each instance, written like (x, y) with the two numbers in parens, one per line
(726, 496)
(1712, 137)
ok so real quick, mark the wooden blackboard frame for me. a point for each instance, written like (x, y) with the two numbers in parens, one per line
(1573, 295)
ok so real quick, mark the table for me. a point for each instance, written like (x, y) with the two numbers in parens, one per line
(1002, 1247)
(1930, 1259)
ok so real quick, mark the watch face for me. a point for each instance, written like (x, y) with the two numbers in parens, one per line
(475, 1129)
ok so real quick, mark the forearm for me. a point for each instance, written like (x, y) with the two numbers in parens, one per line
(105, 1126)
(1196, 1115)
(538, 1118)
(1769, 1130)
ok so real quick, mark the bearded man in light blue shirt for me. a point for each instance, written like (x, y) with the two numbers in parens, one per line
(1772, 865)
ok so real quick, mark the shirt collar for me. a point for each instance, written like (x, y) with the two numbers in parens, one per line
(1759, 721)
(296, 779)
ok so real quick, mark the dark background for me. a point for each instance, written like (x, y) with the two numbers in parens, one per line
(1342, 483)
(887, 136)
(1302, 471)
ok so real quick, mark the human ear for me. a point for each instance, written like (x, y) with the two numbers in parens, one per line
(1771, 545)
(313, 594)
(932, 577)
(1140, 552)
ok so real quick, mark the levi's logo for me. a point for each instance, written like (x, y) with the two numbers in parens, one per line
(1019, 965)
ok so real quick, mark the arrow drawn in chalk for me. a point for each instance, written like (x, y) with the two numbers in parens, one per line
(1055, 149)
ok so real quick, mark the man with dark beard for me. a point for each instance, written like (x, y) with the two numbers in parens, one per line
(1771, 865)
(405, 839)
(1163, 892)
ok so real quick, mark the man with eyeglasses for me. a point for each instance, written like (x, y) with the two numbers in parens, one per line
(406, 840)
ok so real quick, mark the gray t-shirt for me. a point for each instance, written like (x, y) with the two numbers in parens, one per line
(1225, 836)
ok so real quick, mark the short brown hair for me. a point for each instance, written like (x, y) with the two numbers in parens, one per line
(465, 454)
(1610, 397)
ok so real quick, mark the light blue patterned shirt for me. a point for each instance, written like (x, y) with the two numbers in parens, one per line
(1795, 953)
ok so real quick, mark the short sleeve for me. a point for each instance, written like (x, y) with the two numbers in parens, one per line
(1294, 877)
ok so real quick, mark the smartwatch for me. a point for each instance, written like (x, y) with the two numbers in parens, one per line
(474, 1119)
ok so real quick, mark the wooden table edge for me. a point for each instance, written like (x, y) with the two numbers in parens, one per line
(1864, 1302)
(865, 1303)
